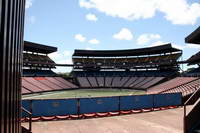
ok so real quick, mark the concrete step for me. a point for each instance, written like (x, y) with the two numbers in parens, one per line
(24, 130)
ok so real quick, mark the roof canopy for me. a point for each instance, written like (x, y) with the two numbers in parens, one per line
(130, 52)
(39, 48)
(194, 59)
(194, 37)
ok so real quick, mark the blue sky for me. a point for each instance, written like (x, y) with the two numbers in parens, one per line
(110, 24)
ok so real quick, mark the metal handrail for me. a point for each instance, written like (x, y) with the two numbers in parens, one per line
(30, 118)
(185, 104)
(191, 96)
(179, 86)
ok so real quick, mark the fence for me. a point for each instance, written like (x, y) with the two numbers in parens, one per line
(77, 106)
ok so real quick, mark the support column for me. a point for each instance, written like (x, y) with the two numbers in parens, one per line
(11, 48)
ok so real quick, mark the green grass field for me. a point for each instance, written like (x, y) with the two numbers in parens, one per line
(84, 93)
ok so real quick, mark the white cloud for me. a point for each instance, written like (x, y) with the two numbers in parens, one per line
(145, 38)
(62, 58)
(65, 61)
(55, 56)
(158, 43)
(88, 48)
(179, 11)
(190, 46)
(193, 46)
(178, 46)
(91, 17)
(84, 3)
(67, 53)
(29, 3)
(176, 11)
(63, 69)
(94, 41)
(80, 37)
(124, 34)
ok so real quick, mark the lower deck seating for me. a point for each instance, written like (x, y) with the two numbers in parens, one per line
(185, 89)
(92, 81)
(83, 81)
(179, 84)
(41, 84)
(122, 79)
(118, 82)
(149, 73)
(24, 90)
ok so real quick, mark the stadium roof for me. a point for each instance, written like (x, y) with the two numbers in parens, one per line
(39, 48)
(194, 59)
(194, 37)
(129, 52)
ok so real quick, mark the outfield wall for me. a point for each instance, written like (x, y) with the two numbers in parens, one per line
(78, 106)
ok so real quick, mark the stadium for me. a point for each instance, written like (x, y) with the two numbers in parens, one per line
(108, 91)
(108, 83)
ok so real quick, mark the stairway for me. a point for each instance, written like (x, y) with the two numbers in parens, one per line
(24, 130)
(193, 119)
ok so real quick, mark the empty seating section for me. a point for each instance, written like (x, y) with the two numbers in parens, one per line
(116, 81)
(123, 81)
(152, 73)
(37, 58)
(171, 84)
(66, 82)
(133, 60)
(48, 83)
(185, 89)
(83, 81)
(153, 81)
(37, 83)
(25, 91)
(100, 80)
(41, 84)
(109, 80)
(32, 87)
(145, 80)
(139, 79)
(92, 81)
(38, 73)
(130, 81)
(56, 82)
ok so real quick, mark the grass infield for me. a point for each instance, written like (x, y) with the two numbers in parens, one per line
(83, 93)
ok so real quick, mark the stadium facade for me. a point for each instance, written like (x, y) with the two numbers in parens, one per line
(134, 68)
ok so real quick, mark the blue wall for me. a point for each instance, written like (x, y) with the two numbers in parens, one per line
(136, 102)
(95, 105)
(54, 107)
(61, 107)
(162, 100)
(27, 105)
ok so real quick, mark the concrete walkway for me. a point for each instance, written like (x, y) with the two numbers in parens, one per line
(166, 121)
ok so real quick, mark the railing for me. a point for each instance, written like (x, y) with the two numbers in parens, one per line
(193, 98)
(95, 105)
(30, 118)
